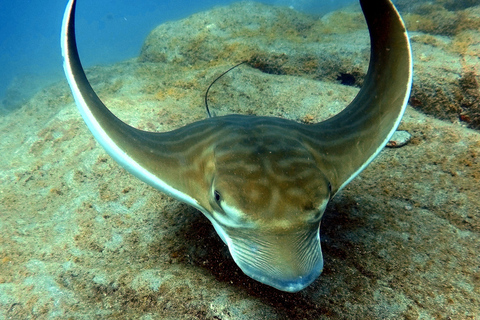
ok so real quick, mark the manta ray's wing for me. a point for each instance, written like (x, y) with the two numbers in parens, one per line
(160, 159)
(346, 143)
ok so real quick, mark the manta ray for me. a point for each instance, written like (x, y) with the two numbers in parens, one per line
(263, 182)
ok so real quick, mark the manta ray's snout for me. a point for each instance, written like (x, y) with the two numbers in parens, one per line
(288, 261)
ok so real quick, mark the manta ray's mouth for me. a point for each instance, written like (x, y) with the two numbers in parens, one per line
(288, 262)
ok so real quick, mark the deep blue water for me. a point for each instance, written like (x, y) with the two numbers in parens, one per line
(107, 31)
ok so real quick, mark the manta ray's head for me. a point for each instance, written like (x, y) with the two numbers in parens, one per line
(266, 200)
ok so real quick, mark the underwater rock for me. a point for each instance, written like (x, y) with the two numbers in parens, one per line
(20, 90)
(452, 5)
(308, 46)
(328, 49)
(399, 139)
(450, 90)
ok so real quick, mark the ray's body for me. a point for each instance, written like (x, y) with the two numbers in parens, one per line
(263, 182)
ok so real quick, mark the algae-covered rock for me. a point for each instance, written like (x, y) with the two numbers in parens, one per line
(249, 31)
(334, 48)
(410, 5)
(446, 66)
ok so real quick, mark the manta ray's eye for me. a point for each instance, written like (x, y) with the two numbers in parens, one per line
(217, 196)
(216, 199)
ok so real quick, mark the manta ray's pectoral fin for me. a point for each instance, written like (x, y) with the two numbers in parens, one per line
(346, 143)
(154, 158)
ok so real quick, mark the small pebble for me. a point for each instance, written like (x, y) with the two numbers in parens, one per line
(399, 139)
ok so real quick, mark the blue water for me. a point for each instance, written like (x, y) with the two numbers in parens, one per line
(107, 31)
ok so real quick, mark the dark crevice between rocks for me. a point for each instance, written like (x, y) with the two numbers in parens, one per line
(308, 66)
(347, 79)
(272, 64)
(470, 100)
